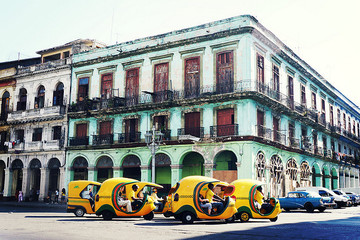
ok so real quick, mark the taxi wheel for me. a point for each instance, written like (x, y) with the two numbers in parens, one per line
(274, 219)
(187, 218)
(230, 219)
(107, 215)
(244, 217)
(149, 216)
(79, 212)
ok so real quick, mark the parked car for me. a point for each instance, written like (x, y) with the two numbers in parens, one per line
(355, 198)
(341, 201)
(302, 200)
(342, 193)
(328, 202)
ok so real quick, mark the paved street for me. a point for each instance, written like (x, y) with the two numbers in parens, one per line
(51, 222)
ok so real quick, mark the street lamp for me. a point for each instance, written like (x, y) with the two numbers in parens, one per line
(153, 140)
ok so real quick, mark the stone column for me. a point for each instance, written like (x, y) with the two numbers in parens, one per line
(117, 172)
(238, 166)
(44, 183)
(209, 167)
(62, 178)
(175, 173)
(7, 183)
(91, 174)
(145, 173)
(26, 182)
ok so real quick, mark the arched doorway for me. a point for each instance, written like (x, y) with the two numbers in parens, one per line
(225, 166)
(17, 176)
(276, 176)
(5, 105)
(334, 179)
(2, 176)
(21, 105)
(305, 173)
(292, 174)
(162, 172)
(316, 176)
(40, 99)
(54, 175)
(131, 167)
(35, 176)
(104, 168)
(193, 164)
(80, 168)
(59, 95)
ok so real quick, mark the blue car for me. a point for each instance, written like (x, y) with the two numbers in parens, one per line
(355, 198)
(302, 200)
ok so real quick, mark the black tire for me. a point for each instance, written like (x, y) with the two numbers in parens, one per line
(107, 215)
(187, 218)
(79, 212)
(309, 207)
(287, 209)
(322, 209)
(230, 219)
(167, 214)
(274, 219)
(149, 216)
(244, 216)
(177, 217)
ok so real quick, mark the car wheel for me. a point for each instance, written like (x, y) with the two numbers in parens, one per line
(322, 209)
(149, 216)
(79, 212)
(177, 217)
(309, 207)
(274, 219)
(107, 215)
(230, 219)
(187, 218)
(244, 216)
(167, 214)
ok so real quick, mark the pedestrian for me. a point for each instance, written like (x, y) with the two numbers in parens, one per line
(63, 194)
(20, 196)
(56, 200)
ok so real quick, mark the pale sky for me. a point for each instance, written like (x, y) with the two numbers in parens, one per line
(324, 33)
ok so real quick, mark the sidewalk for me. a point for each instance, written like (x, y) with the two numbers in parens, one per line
(39, 205)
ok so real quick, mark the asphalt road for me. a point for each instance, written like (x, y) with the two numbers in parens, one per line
(51, 222)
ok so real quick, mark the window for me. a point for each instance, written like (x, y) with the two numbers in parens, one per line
(21, 105)
(339, 147)
(225, 122)
(81, 130)
(349, 125)
(313, 100)
(331, 115)
(106, 85)
(51, 58)
(58, 95)
(344, 120)
(315, 142)
(40, 99)
(37, 135)
(161, 81)
(276, 125)
(131, 130)
(83, 91)
(353, 127)
(303, 95)
(66, 54)
(358, 129)
(260, 123)
(192, 77)
(260, 69)
(276, 79)
(292, 134)
(322, 116)
(338, 118)
(224, 72)
(192, 124)
(56, 133)
(132, 86)
(5, 105)
(105, 128)
(291, 91)
(19, 135)
(324, 139)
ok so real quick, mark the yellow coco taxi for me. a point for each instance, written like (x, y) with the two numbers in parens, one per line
(107, 199)
(249, 201)
(185, 201)
(79, 197)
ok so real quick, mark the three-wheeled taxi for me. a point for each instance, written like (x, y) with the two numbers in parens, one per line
(80, 200)
(246, 193)
(106, 200)
(185, 201)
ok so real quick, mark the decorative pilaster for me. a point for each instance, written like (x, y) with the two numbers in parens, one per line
(7, 183)
(117, 172)
(176, 172)
(92, 174)
(62, 178)
(26, 182)
(209, 167)
(145, 173)
(44, 183)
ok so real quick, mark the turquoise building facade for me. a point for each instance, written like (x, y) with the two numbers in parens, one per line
(231, 100)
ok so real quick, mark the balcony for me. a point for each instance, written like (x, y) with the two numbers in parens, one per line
(43, 113)
(279, 137)
(44, 66)
(167, 134)
(78, 141)
(294, 142)
(105, 139)
(264, 132)
(224, 130)
(193, 131)
(129, 137)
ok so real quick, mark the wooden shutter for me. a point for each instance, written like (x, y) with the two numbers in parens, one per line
(132, 85)
(161, 80)
(83, 89)
(260, 69)
(192, 124)
(81, 130)
(260, 123)
(192, 77)
(224, 72)
(225, 122)
(291, 91)
(105, 128)
(106, 86)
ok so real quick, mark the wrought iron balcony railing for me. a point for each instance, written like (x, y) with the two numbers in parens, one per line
(279, 137)
(79, 141)
(129, 137)
(103, 139)
(224, 130)
(294, 142)
(194, 131)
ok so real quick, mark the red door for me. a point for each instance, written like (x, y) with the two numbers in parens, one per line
(225, 122)
(161, 82)
(192, 77)
(81, 130)
(131, 128)
(192, 124)
(276, 129)
(224, 72)
(260, 123)
(105, 128)
(132, 86)
(291, 92)
(106, 86)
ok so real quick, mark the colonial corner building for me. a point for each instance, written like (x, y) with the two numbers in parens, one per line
(231, 100)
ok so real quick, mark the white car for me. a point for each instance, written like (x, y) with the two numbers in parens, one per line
(340, 200)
